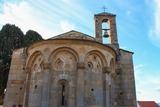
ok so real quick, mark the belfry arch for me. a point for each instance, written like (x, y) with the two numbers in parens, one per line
(109, 19)
(106, 31)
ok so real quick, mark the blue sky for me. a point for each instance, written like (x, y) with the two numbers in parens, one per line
(138, 26)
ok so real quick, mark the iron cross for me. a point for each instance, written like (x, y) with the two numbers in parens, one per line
(104, 8)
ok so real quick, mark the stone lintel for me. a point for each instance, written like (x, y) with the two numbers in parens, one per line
(81, 65)
(106, 70)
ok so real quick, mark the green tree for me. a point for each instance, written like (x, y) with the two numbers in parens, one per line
(31, 37)
(11, 37)
(1, 83)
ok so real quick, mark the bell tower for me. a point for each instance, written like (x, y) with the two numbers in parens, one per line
(110, 32)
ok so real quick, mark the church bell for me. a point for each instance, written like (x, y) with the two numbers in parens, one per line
(106, 35)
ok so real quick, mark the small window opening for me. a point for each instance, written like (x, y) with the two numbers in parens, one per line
(121, 93)
(35, 86)
(92, 89)
(63, 95)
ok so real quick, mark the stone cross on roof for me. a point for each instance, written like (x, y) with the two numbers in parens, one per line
(104, 8)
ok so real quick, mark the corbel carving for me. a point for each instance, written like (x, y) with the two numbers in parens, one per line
(81, 65)
(46, 65)
(112, 75)
(106, 70)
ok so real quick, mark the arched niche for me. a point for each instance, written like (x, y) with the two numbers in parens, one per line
(63, 66)
(95, 61)
(63, 59)
(32, 58)
(93, 78)
(34, 79)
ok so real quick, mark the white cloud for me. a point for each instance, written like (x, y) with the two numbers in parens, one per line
(139, 92)
(66, 26)
(150, 96)
(155, 80)
(138, 71)
(157, 89)
(22, 15)
(139, 66)
(154, 33)
(47, 18)
(123, 47)
(15, 13)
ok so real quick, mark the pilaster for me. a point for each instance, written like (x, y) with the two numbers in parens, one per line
(45, 86)
(106, 72)
(80, 85)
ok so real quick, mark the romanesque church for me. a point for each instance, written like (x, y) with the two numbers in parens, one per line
(73, 69)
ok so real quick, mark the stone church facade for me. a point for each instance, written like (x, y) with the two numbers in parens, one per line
(73, 70)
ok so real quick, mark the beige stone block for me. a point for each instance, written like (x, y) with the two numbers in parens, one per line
(17, 61)
(17, 81)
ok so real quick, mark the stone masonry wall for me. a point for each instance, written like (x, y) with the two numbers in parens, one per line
(16, 80)
(124, 81)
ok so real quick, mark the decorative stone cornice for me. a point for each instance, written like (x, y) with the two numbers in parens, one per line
(46, 65)
(81, 65)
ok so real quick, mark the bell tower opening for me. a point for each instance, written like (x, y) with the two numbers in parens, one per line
(105, 32)
(105, 27)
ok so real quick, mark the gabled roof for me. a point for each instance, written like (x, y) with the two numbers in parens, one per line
(73, 35)
(148, 104)
(105, 13)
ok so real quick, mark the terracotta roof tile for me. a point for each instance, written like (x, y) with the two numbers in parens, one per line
(148, 104)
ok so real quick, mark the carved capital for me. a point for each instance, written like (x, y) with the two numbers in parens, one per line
(46, 65)
(81, 65)
(112, 75)
(106, 70)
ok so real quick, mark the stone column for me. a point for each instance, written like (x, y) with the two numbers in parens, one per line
(106, 71)
(80, 85)
(45, 86)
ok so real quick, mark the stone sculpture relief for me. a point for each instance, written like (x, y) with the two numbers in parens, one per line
(93, 63)
(37, 65)
(64, 61)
